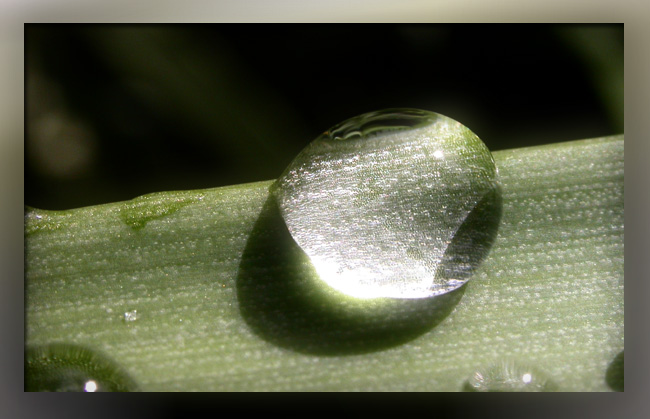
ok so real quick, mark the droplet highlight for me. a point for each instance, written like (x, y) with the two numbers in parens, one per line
(509, 376)
(73, 368)
(401, 203)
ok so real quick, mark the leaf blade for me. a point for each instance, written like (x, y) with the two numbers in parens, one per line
(550, 293)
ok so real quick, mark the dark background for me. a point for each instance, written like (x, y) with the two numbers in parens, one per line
(117, 111)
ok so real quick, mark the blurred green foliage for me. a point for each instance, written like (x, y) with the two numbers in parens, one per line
(117, 111)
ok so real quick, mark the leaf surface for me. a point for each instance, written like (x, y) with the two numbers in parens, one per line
(549, 294)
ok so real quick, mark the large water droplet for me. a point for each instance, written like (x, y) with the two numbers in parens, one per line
(283, 302)
(72, 368)
(400, 203)
(509, 376)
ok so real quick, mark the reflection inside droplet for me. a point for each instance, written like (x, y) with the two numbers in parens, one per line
(373, 123)
(381, 204)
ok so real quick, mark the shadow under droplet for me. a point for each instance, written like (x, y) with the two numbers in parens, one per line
(61, 367)
(284, 302)
(615, 376)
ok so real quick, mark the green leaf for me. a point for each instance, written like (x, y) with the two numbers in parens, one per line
(226, 302)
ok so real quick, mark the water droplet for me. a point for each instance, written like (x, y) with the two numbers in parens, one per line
(615, 376)
(72, 368)
(400, 203)
(90, 386)
(509, 376)
(131, 316)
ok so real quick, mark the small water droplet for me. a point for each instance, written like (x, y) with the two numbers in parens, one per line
(72, 368)
(615, 376)
(131, 316)
(509, 376)
(400, 203)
